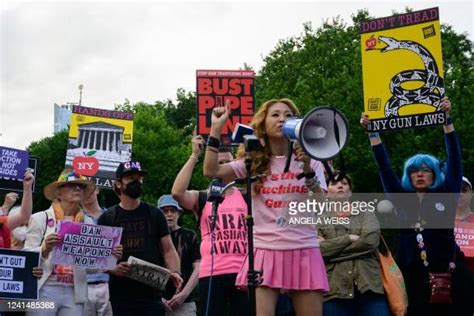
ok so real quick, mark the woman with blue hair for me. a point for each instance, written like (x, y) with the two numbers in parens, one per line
(426, 244)
(426, 164)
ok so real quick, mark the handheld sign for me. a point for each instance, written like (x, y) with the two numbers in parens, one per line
(87, 246)
(13, 163)
(16, 274)
(9, 185)
(214, 88)
(402, 70)
(99, 140)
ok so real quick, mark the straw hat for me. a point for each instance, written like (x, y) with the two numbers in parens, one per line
(67, 176)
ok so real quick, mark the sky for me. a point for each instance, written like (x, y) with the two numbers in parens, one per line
(145, 51)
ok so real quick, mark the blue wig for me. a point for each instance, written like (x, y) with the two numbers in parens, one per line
(415, 162)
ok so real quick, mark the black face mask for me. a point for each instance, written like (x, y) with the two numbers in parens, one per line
(134, 189)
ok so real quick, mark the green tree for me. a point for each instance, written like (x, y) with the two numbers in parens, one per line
(320, 66)
(323, 67)
(163, 149)
(181, 115)
(161, 141)
(51, 153)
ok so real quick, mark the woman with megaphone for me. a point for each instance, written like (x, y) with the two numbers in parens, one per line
(287, 254)
(431, 262)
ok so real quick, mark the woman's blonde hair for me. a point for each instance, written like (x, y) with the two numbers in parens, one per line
(261, 159)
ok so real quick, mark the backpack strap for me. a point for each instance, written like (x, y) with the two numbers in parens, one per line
(45, 227)
(111, 215)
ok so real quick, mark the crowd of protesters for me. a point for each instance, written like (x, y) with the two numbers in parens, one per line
(332, 269)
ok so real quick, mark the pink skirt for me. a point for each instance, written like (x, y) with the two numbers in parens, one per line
(298, 269)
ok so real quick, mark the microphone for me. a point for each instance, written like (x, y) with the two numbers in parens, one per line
(215, 196)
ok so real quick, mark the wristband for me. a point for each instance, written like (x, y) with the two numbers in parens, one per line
(194, 157)
(374, 135)
(212, 149)
(213, 142)
(449, 121)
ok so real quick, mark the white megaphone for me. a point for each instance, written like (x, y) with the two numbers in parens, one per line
(322, 133)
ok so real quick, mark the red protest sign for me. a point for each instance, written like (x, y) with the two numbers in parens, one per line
(214, 88)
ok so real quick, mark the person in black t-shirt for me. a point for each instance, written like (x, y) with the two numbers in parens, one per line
(145, 235)
(187, 245)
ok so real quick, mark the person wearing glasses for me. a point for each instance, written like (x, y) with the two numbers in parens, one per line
(62, 284)
(426, 209)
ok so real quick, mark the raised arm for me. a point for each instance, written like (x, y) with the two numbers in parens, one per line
(211, 164)
(22, 217)
(186, 198)
(390, 180)
(453, 150)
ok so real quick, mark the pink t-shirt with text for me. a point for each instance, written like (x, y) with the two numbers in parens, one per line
(230, 246)
(271, 203)
(464, 233)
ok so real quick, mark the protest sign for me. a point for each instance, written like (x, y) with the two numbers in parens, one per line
(402, 70)
(99, 140)
(13, 163)
(148, 273)
(16, 274)
(214, 88)
(9, 185)
(464, 233)
(87, 246)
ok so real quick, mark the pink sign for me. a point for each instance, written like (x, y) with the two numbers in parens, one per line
(87, 246)
(464, 232)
